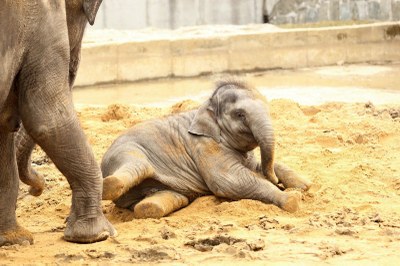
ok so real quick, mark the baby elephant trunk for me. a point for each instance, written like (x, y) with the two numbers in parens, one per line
(264, 135)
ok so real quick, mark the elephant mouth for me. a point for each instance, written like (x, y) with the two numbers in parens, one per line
(246, 142)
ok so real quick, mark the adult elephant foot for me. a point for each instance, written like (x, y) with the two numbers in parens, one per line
(160, 204)
(292, 201)
(18, 235)
(88, 230)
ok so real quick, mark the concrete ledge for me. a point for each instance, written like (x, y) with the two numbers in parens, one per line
(186, 53)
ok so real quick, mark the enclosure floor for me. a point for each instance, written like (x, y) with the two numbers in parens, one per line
(349, 147)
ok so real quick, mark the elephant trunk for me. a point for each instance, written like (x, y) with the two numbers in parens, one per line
(263, 133)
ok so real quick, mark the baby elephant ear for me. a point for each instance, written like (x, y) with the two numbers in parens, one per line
(90, 7)
(205, 123)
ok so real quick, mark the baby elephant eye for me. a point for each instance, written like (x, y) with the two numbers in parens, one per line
(240, 114)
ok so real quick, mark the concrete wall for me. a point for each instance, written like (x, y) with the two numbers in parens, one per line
(192, 54)
(172, 14)
(303, 11)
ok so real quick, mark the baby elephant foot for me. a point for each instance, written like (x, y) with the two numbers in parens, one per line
(17, 236)
(87, 224)
(292, 201)
(294, 181)
(160, 204)
(113, 188)
(290, 179)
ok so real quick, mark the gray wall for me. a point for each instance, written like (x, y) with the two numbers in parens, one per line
(171, 14)
(303, 11)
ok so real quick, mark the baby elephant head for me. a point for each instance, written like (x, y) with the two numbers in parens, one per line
(237, 116)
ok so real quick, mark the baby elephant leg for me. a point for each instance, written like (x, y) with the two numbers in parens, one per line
(130, 173)
(290, 179)
(160, 204)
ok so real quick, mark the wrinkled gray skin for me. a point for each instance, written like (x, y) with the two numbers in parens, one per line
(38, 53)
(201, 152)
(76, 23)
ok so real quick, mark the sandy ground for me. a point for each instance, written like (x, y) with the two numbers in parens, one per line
(351, 216)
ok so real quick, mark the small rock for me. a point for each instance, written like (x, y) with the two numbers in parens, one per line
(241, 254)
(203, 248)
(376, 218)
(359, 139)
(242, 246)
(346, 224)
(3, 254)
(369, 105)
(394, 113)
(220, 248)
(344, 231)
(251, 227)
(256, 245)
(11, 247)
(25, 243)
(95, 254)
(167, 234)
(231, 250)
(154, 254)
(288, 227)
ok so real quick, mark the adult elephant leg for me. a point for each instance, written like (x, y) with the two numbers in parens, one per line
(46, 109)
(55, 127)
(10, 231)
(24, 145)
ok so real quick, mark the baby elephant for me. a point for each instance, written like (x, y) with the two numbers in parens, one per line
(159, 166)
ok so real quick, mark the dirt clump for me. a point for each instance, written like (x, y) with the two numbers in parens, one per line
(116, 112)
(183, 106)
